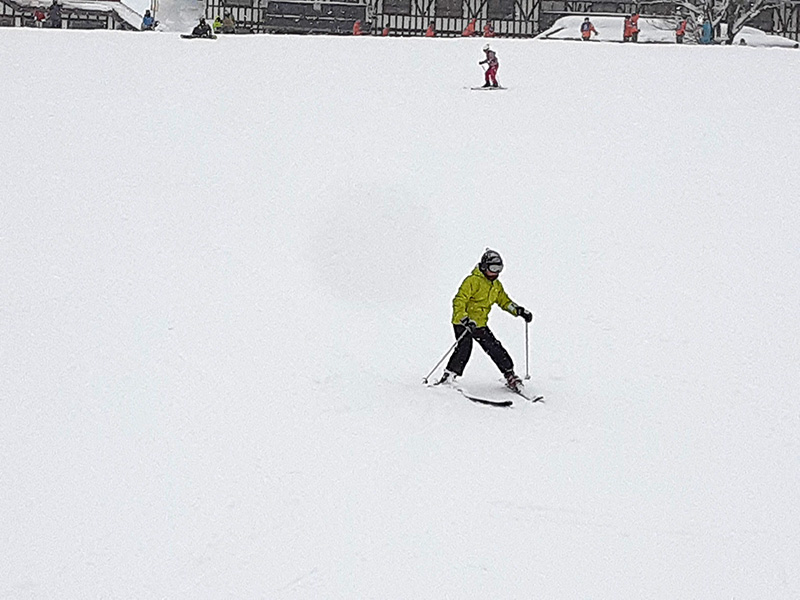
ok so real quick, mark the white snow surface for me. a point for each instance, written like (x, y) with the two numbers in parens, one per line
(178, 15)
(225, 277)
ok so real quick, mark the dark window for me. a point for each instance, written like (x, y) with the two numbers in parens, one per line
(241, 3)
(86, 24)
(448, 8)
(397, 7)
(763, 21)
(500, 9)
(611, 7)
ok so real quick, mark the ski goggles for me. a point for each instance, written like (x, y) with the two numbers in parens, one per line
(494, 268)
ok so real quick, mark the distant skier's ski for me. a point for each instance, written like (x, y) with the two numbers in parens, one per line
(188, 36)
(488, 89)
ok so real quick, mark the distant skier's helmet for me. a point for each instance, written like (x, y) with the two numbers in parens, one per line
(486, 48)
(491, 262)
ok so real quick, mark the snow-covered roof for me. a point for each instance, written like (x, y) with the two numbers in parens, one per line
(124, 12)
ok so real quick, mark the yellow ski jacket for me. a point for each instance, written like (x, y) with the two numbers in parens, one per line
(475, 297)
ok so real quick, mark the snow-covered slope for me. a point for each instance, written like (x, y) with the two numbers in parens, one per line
(179, 15)
(225, 277)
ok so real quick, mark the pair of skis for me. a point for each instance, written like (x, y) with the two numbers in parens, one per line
(493, 401)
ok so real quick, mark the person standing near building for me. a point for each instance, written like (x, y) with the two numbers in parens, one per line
(631, 32)
(54, 15)
(626, 30)
(587, 29)
(492, 65)
(469, 30)
(471, 305)
(148, 22)
(228, 23)
(706, 32)
(680, 32)
(634, 20)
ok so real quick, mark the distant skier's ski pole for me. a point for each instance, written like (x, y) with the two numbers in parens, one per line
(425, 380)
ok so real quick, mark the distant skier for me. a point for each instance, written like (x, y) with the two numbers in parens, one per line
(471, 305)
(635, 27)
(469, 30)
(148, 22)
(493, 64)
(202, 30)
(587, 29)
(680, 32)
(54, 15)
(706, 32)
(631, 31)
(228, 23)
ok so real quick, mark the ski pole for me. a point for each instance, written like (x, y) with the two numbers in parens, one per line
(527, 346)
(466, 331)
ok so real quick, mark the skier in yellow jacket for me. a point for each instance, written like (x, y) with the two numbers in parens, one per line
(471, 305)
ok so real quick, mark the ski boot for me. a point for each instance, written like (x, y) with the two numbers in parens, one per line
(448, 378)
(513, 382)
(487, 84)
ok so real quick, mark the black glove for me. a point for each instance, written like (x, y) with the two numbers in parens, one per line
(525, 314)
(469, 324)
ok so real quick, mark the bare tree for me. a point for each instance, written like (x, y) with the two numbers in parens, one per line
(706, 10)
(735, 13)
(742, 12)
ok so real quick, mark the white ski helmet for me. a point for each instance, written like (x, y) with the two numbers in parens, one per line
(486, 48)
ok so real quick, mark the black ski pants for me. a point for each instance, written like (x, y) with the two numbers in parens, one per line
(490, 344)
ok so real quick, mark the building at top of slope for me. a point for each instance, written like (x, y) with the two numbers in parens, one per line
(69, 14)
